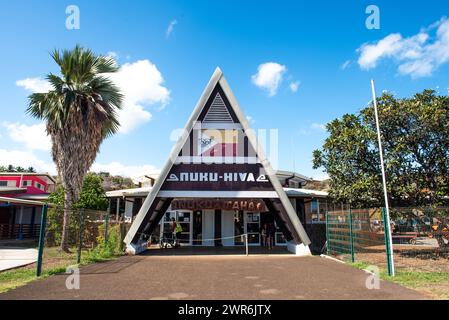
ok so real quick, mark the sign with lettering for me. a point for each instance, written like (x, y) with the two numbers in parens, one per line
(219, 204)
(223, 177)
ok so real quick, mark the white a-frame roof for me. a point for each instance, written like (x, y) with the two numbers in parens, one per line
(158, 201)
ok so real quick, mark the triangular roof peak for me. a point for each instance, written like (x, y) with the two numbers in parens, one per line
(198, 165)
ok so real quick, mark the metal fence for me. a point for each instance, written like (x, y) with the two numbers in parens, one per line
(420, 237)
(357, 235)
(92, 235)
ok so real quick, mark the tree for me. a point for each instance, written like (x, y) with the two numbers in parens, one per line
(415, 135)
(11, 168)
(80, 112)
(92, 195)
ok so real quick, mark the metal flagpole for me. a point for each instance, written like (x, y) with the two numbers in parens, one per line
(384, 181)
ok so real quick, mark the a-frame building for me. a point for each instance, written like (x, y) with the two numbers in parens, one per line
(217, 164)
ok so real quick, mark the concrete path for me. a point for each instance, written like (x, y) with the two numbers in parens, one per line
(215, 277)
(16, 257)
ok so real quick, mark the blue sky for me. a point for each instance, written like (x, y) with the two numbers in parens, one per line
(322, 47)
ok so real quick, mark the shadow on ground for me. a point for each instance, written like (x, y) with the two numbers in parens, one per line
(211, 251)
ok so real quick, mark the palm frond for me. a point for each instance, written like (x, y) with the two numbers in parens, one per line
(83, 85)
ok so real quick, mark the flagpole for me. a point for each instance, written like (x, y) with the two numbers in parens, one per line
(384, 181)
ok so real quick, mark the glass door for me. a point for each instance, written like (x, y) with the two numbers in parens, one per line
(197, 228)
(239, 228)
(252, 228)
(184, 218)
(279, 239)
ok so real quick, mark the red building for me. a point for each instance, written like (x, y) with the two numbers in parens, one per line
(18, 219)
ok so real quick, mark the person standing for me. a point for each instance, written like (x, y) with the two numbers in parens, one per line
(271, 231)
(263, 233)
(176, 229)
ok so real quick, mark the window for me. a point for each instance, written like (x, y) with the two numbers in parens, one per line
(27, 183)
(322, 210)
(314, 210)
(318, 210)
(39, 186)
(3, 183)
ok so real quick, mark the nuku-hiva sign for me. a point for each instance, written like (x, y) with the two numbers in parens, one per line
(217, 158)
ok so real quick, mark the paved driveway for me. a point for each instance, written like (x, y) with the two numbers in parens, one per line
(215, 277)
(16, 257)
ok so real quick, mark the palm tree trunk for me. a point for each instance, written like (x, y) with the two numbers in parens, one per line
(66, 221)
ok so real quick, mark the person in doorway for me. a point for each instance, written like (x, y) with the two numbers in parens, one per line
(271, 231)
(263, 233)
(176, 229)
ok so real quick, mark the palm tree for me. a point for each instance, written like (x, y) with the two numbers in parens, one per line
(80, 112)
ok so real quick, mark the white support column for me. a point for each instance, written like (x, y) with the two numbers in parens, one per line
(20, 215)
(298, 249)
(117, 210)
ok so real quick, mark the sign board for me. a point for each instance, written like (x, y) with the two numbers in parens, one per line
(219, 204)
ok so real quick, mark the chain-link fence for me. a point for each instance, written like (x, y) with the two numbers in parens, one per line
(91, 236)
(420, 237)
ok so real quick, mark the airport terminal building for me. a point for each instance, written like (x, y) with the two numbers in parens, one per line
(201, 224)
(218, 184)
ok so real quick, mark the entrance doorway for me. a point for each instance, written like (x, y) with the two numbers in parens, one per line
(234, 224)
(203, 228)
(227, 228)
(184, 218)
(199, 227)
(252, 228)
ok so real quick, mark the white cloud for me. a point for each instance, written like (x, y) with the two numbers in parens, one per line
(269, 76)
(29, 159)
(117, 168)
(141, 83)
(318, 126)
(35, 85)
(294, 86)
(113, 55)
(345, 65)
(33, 137)
(170, 28)
(25, 159)
(418, 55)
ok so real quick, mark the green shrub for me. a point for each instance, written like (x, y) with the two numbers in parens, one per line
(106, 250)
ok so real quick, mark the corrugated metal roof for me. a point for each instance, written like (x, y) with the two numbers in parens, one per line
(293, 192)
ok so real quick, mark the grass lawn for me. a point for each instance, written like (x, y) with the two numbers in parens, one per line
(54, 262)
(433, 284)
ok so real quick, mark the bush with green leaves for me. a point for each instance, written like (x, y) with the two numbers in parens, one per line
(92, 197)
(106, 249)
